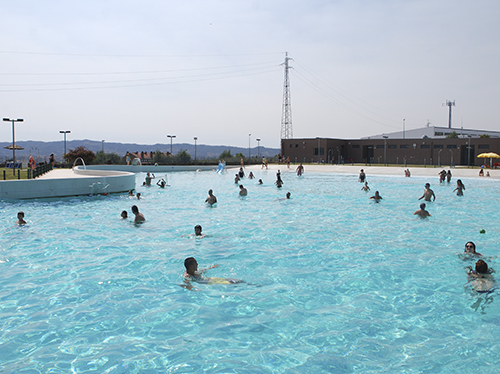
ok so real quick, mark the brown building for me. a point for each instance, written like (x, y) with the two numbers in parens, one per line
(422, 151)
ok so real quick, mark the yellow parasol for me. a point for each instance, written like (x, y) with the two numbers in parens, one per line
(490, 155)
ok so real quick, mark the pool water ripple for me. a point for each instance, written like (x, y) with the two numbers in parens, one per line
(334, 282)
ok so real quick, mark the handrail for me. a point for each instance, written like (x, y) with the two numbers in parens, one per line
(83, 162)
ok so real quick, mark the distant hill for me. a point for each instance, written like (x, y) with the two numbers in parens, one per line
(44, 149)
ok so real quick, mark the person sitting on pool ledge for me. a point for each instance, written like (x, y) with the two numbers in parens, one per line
(139, 217)
(376, 197)
(422, 212)
(481, 279)
(20, 219)
(428, 193)
(211, 199)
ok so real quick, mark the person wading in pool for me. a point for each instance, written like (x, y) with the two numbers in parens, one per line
(211, 199)
(139, 217)
(428, 193)
(243, 191)
(422, 212)
(376, 197)
(20, 219)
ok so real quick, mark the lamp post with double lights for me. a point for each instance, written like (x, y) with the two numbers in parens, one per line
(102, 152)
(64, 132)
(13, 140)
(258, 147)
(171, 138)
(195, 139)
(249, 135)
(385, 149)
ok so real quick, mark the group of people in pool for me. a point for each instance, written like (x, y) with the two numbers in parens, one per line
(480, 278)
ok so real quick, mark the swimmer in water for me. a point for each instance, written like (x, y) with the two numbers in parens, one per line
(124, 214)
(470, 248)
(211, 199)
(260, 181)
(428, 193)
(376, 197)
(197, 232)
(365, 187)
(139, 217)
(243, 190)
(20, 219)
(251, 176)
(138, 196)
(422, 212)
(288, 195)
(481, 279)
(193, 274)
(161, 183)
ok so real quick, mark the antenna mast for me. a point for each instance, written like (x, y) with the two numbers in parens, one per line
(286, 116)
(450, 104)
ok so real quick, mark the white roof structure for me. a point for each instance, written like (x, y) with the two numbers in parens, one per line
(434, 132)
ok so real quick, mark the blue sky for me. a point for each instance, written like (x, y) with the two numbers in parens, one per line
(130, 71)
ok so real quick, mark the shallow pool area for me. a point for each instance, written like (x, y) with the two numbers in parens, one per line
(334, 282)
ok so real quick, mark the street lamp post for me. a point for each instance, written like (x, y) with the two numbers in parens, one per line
(439, 157)
(249, 135)
(451, 162)
(468, 151)
(385, 149)
(171, 138)
(13, 141)
(258, 147)
(195, 139)
(64, 132)
(102, 143)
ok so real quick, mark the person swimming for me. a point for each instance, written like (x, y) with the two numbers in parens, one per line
(481, 279)
(193, 274)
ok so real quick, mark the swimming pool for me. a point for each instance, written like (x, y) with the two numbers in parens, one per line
(335, 282)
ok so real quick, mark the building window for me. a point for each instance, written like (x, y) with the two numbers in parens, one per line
(355, 146)
(438, 146)
(296, 146)
(392, 146)
(406, 146)
(380, 146)
(291, 145)
(425, 146)
(321, 151)
(451, 146)
(483, 146)
(438, 133)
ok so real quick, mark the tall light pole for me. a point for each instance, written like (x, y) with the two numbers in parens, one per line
(171, 137)
(258, 147)
(249, 135)
(404, 128)
(195, 139)
(13, 140)
(385, 149)
(102, 152)
(468, 151)
(64, 132)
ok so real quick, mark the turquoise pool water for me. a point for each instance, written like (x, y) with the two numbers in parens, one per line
(335, 282)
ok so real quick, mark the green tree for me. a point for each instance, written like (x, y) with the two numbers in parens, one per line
(484, 136)
(239, 155)
(86, 154)
(452, 135)
(160, 157)
(183, 157)
(109, 158)
(226, 154)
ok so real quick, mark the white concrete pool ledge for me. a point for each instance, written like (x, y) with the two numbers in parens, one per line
(68, 182)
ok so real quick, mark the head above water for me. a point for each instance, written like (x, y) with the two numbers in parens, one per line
(422, 206)
(427, 185)
(470, 247)
(124, 214)
(135, 209)
(481, 267)
(190, 262)
(197, 230)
